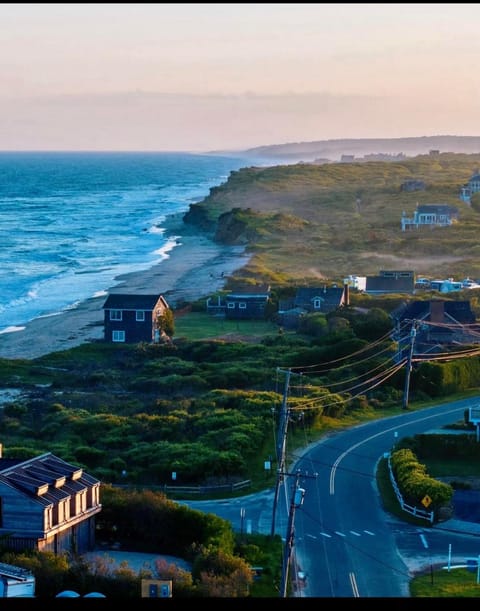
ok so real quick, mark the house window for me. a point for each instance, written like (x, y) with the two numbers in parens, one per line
(115, 314)
(139, 315)
(230, 305)
(93, 496)
(48, 518)
(242, 305)
(118, 336)
(317, 304)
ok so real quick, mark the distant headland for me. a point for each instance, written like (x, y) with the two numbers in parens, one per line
(322, 151)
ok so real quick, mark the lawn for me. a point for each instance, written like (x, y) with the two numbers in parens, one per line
(200, 325)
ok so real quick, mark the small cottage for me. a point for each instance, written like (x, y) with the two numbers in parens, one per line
(439, 324)
(320, 299)
(391, 282)
(134, 318)
(472, 187)
(249, 302)
(311, 300)
(430, 215)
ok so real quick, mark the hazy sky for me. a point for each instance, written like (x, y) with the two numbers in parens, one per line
(202, 77)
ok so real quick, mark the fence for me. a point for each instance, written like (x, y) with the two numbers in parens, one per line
(412, 510)
(207, 489)
(191, 489)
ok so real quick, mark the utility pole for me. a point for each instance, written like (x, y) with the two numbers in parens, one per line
(413, 333)
(281, 445)
(296, 501)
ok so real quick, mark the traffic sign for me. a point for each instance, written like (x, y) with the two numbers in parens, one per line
(426, 501)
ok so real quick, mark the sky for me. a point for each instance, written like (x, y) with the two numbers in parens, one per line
(231, 76)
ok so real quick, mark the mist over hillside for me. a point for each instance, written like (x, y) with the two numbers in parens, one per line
(331, 220)
(333, 150)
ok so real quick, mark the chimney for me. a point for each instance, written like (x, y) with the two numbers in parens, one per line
(437, 311)
(346, 294)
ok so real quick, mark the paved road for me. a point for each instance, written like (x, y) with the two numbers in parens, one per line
(341, 519)
(250, 514)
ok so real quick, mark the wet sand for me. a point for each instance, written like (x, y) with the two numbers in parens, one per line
(196, 268)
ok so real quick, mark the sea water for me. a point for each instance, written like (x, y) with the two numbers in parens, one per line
(70, 223)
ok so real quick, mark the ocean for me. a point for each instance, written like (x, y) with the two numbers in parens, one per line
(70, 223)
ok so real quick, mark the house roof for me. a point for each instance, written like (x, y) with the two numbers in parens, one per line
(241, 292)
(383, 284)
(44, 477)
(437, 209)
(460, 311)
(330, 295)
(16, 572)
(125, 301)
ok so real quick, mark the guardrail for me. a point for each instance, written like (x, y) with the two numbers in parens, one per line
(412, 510)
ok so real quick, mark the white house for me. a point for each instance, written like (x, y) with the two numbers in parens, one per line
(472, 186)
(430, 215)
(356, 282)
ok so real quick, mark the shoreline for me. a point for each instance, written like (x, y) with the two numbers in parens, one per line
(195, 268)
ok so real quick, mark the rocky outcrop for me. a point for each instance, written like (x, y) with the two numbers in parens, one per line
(197, 215)
(232, 229)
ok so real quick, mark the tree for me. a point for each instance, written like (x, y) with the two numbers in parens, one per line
(166, 322)
(222, 574)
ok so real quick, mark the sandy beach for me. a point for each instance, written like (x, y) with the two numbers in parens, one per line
(195, 268)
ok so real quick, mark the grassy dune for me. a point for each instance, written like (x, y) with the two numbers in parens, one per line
(311, 222)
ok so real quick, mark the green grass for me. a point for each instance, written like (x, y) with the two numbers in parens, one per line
(200, 325)
(444, 583)
(458, 582)
(454, 468)
(310, 210)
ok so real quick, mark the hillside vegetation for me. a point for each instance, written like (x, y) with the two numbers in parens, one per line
(206, 405)
(307, 222)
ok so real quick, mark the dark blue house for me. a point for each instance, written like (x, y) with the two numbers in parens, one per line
(438, 323)
(247, 302)
(310, 300)
(131, 319)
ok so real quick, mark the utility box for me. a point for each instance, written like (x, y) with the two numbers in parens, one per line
(156, 588)
(16, 581)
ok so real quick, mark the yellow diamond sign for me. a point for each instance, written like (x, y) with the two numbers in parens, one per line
(426, 500)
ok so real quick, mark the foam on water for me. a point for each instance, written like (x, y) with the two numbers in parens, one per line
(70, 223)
